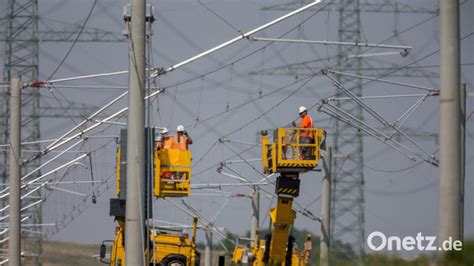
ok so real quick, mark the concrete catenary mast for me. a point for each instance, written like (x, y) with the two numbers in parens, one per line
(450, 181)
(134, 215)
(14, 228)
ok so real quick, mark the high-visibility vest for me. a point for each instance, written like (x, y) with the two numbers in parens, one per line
(179, 142)
(306, 122)
(167, 143)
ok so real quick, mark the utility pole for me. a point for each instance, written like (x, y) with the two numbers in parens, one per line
(14, 227)
(135, 201)
(449, 212)
(254, 222)
(208, 249)
(325, 243)
(463, 157)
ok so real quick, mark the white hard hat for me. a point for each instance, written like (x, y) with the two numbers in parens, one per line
(180, 128)
(302, 109)
(164, 131)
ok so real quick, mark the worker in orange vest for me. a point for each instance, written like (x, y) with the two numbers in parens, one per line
(182, 140)
(305, 136)
(165, 141)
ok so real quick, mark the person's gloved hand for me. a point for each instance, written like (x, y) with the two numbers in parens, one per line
(293, 123)
(185, 133)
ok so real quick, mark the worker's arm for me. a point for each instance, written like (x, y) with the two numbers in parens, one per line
(305, 122)
(190, 140)
(158, 145)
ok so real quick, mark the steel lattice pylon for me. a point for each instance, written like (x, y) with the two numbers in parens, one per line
(347, 199)
(21, 56)
(347, 210)
(22, 36)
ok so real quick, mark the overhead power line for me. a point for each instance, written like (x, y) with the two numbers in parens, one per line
(75, 40)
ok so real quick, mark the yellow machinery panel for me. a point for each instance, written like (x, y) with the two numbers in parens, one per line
(282, 217)
(172, 173)
(171, 244)
(117, 172)
(288, 151)
(237, 255)
(117, 256)
(257, 251)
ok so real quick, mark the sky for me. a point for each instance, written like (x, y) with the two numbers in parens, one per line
(231, 95)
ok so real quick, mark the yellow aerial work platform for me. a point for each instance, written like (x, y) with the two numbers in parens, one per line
(287, 152)
(172, 177)
(290, 153)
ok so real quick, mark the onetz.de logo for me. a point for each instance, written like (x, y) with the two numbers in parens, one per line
(378, 241)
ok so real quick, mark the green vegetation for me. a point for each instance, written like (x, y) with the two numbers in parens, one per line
(343, 255)
(373, 260)
(343, 252)
(70, 254)
(461, 258)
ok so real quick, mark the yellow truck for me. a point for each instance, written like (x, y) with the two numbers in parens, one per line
(167, 247)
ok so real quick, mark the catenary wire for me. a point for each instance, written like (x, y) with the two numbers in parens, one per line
(75, 40)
